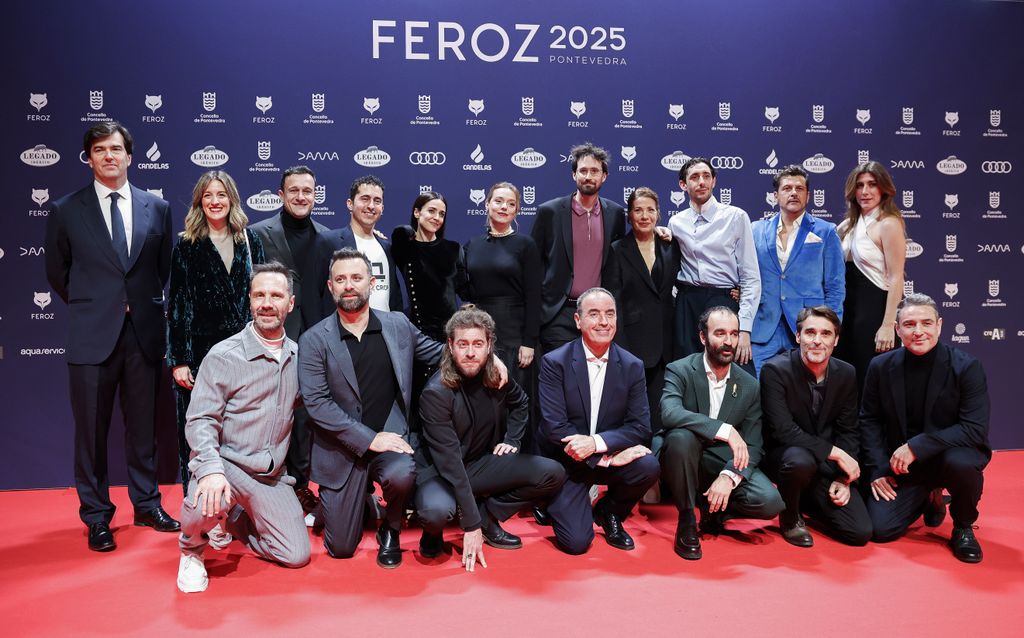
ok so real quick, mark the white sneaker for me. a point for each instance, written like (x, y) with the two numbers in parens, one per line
(310, 520)
(192, 573)
(217, 538)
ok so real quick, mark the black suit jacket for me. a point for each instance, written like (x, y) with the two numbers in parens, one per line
(450, 432)
(645, 302)
(956, 409)
(786, 403)
(317, 306)
(552, 232)
(87, 274)
(275, 247)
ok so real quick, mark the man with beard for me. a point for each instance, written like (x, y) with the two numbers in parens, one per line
(801, 264)
(290, 237)
(718, 256)
(574, 235)
(710, 443)
(810, 411)
(471, 463)
(239, 422)
(924, 427)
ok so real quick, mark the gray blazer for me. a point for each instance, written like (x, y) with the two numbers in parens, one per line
(327, 380)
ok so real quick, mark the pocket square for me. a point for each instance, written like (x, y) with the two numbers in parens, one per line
(812, 239)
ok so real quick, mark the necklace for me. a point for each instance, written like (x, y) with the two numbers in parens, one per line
(490, 231)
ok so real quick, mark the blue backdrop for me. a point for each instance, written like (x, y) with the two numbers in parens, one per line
(455, 97)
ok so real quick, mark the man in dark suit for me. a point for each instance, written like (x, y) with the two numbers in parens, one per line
(289, 237)
(801, 264)
(924, 427)
(574, 234)
(810, 410)
(355, 374)
(366, 205)
(711, 439)
(596, 422)
(108, 256)
(470, 464)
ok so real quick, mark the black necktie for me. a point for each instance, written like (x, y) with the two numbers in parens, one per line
(117, 234)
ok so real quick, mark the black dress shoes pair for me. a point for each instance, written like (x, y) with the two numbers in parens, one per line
(794, 531)
(101, 539)
(431, 545)
(158, 519)
(614, 534)
(542, 516)
(687, 543)
(964, 545)
(497, 537)
(389, 551)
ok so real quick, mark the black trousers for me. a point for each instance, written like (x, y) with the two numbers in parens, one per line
(342, 508)
(92, 389)
(300, 447)
(691, 302)
(804, 489)
(570, 509)
(688, 471)
(959, 470)
(502, 484)
(561, 329)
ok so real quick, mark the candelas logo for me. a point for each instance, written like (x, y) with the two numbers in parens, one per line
(209, 157)
(39, 155)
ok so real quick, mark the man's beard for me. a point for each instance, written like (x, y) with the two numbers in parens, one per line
(352, 304)
(718, 357)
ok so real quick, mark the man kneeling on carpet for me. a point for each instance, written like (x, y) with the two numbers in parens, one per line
(924, 427)
(238, 425)
(473, 431)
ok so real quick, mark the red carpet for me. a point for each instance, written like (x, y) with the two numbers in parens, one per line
(749, 582)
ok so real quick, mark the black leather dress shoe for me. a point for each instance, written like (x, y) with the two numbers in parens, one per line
(687, 543)
(158, 519)
(541, 516)
(431, 545)
(964, 545)
(712, 524)
(307, 499)
(389, 552)
(100, 538)
(614, 534)
(935, 508)
(795, 532)
(495, 536)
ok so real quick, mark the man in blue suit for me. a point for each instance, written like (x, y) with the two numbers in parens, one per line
(108, 256)
(801, 264)
(595, 420)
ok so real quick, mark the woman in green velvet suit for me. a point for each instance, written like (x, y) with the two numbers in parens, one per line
(209, 299)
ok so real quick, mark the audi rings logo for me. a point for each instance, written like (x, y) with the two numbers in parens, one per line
(427, 158)
(996, 167)
(726, 162)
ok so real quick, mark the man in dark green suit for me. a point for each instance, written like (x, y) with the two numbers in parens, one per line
(710, 443)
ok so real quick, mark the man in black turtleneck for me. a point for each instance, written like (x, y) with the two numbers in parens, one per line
(924, 428)
(289, 237)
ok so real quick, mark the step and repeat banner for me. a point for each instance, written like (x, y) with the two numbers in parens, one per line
(454, 97)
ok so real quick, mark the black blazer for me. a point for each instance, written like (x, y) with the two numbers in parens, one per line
(87, 274)
(275, 247)
(786, 405)
(956, 409)
(450, 432)
(317, 306)
(645, 302)
(552, 232)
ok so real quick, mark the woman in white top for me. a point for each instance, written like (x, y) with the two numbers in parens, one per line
(874, 244)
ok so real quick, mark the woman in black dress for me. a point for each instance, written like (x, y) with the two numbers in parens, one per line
(504, 272)
(641, 271)
(209, 295)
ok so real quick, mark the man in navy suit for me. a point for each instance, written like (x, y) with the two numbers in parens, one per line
(801, 264)
(595, 420)
(108, 256)
(366, 205)
(924, 427)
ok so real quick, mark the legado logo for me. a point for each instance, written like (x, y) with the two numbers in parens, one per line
(818, 164)
(951, 166)
(528, 158)
(264, 201)
(1000, 167)
(427, 158)
(209, 157)
(675, 160)
(39, 155)
(372, 157)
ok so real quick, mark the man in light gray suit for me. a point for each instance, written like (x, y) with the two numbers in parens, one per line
(290, 237)
(355, 373)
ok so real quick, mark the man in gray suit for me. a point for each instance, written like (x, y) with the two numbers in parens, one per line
(355, 373)
(711, 436)
(290, 237)
(238, 428)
